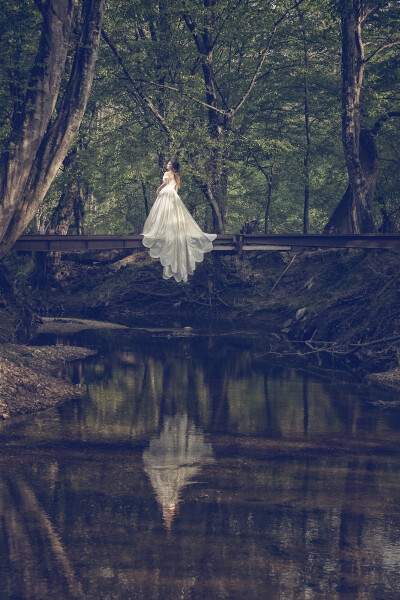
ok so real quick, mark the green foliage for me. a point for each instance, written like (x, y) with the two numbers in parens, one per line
(156, 109)
(19, 35)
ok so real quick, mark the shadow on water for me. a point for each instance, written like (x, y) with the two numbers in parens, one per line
(192, 468)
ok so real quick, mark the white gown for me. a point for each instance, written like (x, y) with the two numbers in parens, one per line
(173, 236)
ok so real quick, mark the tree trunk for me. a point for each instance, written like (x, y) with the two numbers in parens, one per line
(268, 207)
(62, 214)
(217, 189)
(269, 175)
(18, 324)
(145, 198)
(269, 193)
(349, 216)
(389, 221)
(354, 214)
(71, 202)
(40, 141)
(79, 209)
(306, 210)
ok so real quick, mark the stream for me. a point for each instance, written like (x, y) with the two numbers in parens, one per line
(197, 467)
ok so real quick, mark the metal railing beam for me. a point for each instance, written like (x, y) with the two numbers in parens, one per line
(223, 242)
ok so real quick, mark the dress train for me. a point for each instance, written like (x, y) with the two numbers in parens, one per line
(173, 236)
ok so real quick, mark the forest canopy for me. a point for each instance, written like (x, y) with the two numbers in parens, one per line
(278, 125)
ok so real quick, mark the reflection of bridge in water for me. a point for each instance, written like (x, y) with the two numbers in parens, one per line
(223, 243)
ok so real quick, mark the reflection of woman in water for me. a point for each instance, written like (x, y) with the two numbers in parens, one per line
(173, 459)
(171, 233)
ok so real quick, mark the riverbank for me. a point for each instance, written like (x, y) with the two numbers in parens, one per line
(342, 303)
(333, 308)
(31, 376)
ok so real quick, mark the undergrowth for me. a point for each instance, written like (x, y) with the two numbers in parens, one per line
(346, 300)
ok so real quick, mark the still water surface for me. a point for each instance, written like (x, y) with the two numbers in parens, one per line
(194, 468)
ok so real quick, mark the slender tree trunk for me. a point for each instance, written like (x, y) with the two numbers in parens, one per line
(306, 212)
(40, 140)
(79, 210)
(354, 214)
(145, 199)
(269, 194)
(306, 219)
(269, 178)
(268, 207)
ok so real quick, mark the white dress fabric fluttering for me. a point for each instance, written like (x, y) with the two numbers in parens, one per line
(173, 236)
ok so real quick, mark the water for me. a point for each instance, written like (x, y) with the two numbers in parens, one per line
(194, 468)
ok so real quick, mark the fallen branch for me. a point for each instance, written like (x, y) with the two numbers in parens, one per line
(379, 274)
(285, 271)
(372, 342)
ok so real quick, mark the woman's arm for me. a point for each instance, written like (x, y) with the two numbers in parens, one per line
(164, 183)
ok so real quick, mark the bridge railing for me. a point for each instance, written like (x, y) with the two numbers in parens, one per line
(223, 242)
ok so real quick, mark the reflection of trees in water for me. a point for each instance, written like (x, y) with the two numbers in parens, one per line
(284, 525)
(172, 461)
(37, 563)
(351, 529)
(282, 529)
(220, 385)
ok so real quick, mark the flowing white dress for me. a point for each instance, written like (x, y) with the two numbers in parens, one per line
(173, 236)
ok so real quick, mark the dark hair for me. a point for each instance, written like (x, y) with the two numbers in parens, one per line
(175, 169)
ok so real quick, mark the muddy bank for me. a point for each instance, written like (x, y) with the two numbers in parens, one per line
(27, 377)
(389, 380)
(71, 325)
(30, 376)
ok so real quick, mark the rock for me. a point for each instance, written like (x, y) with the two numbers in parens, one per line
(288, 322)
(300, 313)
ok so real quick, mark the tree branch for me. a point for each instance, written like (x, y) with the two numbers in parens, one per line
(131, 79)
(174, 89)
(252, 83)
(376, 127)
(191, 25)
(224, 21)
(369, 12)
(285, 271)
(384, 47)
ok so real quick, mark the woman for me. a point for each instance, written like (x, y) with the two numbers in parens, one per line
(171, 233)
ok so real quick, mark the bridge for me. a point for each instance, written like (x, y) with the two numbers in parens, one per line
(230, 243)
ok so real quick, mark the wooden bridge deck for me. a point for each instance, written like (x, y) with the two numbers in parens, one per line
(223, 243)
